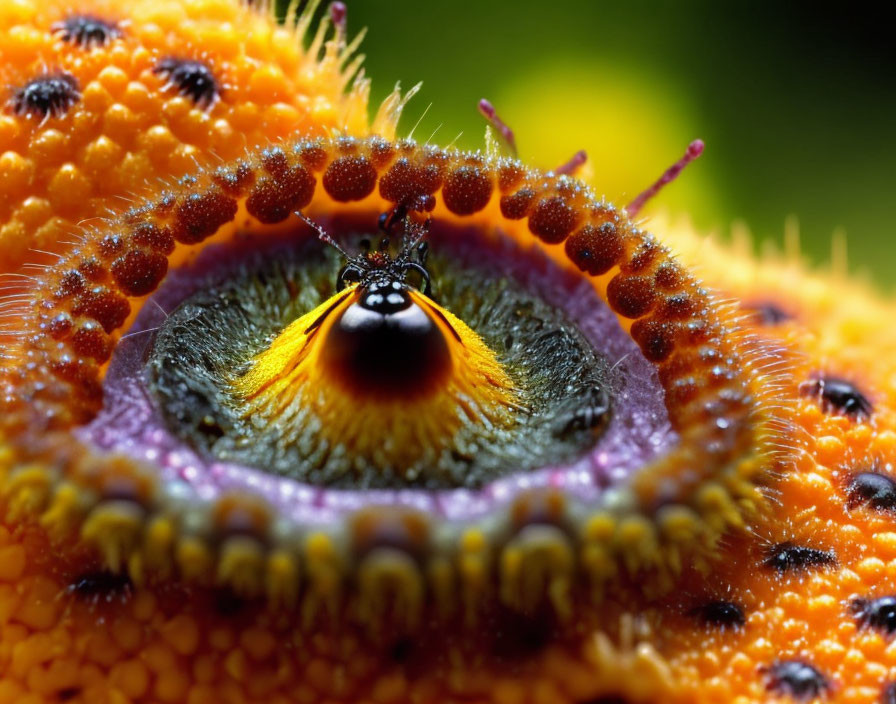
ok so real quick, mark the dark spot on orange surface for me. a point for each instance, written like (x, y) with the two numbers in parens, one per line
(226, 603)
(796, 679)
(60, 326)
(401, 650)
(720, 613)
(86, 31)
(52, 95)
(193, 80)
(788, 557)
(838, 395)
(879, 613)
(768, 313)
(71, 283)
(873, 489)
(101, 585)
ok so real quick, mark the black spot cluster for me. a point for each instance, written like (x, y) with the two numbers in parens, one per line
(789, 557)
(721, 614)
(86, 31)
(193, 80)
(47, 96)
(769, 314)
(872, 489)
(838, 395)
(879, 613)
(796, 679)
(101, 586)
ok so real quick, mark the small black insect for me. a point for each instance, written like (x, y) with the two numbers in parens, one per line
(879, 613)
(47, 96)
(872, 488)
(721, 614)
(796, 679)
(838, 396)
(86, 31)
(387, 340)
(193, 80)
(788, 557)
(101, 585)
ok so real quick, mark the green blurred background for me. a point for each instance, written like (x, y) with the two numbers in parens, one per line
(796, 105)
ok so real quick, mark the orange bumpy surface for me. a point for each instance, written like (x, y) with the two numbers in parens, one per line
(787, 626)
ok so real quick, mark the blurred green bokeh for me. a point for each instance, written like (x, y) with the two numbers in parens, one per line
(797, 106)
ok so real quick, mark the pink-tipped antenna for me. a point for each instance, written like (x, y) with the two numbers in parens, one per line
(338, 11)
(694, 150)
(489, 113)
(574, 164)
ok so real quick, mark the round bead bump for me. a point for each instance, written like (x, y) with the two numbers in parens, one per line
(325, 568)
(411, 183)
(473, 564)
(194, 558)
(235, 180)
(349, 178)
(282, 578)
(114, 528)
(391, 591)
(108, 308)
(274, 198)
(538, 564)
(27, 491)
(517, 205)
(200, 215)
(467, 189)
(67, 508)
(595, 248)
(241, 565)
(139, 272)
(631, 296)
(552, 219)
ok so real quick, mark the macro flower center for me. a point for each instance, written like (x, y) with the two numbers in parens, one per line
(310, 368)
